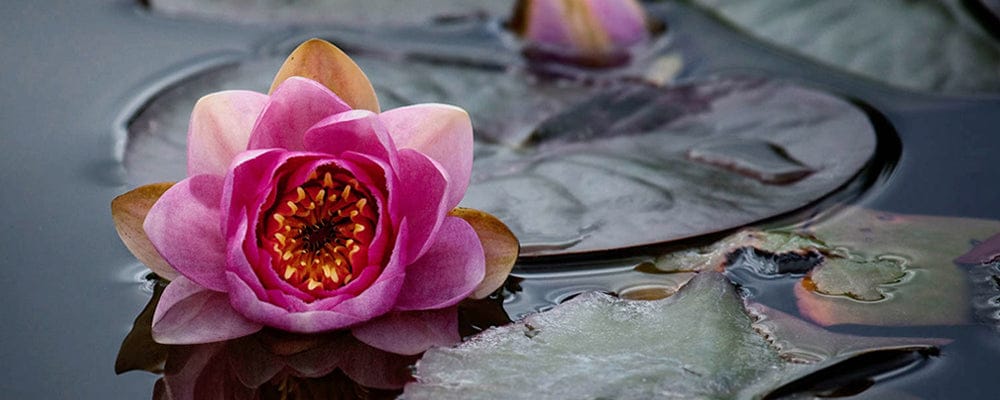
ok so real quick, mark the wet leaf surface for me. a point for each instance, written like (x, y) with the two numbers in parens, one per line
(857, 279)
(574, 166)
(882, 40)
(934, 291)
(700, 342)
(355, 13)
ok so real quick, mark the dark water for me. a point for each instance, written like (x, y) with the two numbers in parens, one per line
(73, 73)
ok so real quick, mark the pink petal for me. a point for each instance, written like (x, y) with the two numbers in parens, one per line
(623, 20)
(190, 314)
(419, 197)
(220, 128)
(443, 133)
(360, 131)
(293, 108)
(449, 271)
(547, 23)
(984, 253)
(184, 226)
(247, 303)
(411, 332)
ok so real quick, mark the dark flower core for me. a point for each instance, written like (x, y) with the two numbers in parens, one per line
(318, 233)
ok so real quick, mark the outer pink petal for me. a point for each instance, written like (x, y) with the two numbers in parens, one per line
(420, 197)
(360, 131)
(190, 314)
(547, 23)
(443, 133)
(449, 271)
(295, 106)
(220, 128)
(411, 332)
(184, 226)
(261, 311)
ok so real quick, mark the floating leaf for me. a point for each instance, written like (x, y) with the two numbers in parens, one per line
(354, 13)
(571, 166)
(698, 343)
(884, 40)
(933, 292)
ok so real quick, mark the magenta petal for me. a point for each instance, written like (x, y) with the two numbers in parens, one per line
(360, 131)
(295, 106)
(190, 314)
(443, 133)
(411, 332)
(985, 252)
(184, 227)
(419, 197)
(449, 271)
(220, 128)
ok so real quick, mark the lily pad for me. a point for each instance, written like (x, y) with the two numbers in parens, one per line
(934, 291)
(354, 13)
(699, 343)
(575, 166)
(884, 40)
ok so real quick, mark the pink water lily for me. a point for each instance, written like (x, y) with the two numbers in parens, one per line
(308, 210)
(593, 32)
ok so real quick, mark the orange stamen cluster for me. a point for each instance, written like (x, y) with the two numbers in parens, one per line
(318, 233)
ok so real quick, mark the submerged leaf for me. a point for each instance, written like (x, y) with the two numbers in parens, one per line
(885, 40)
(857, 279)
(698, 343)
(933, 292)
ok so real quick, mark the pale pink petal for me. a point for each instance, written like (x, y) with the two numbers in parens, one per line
(983, 253)
(293, 108)
(190, 314)
(450, 270)
(443, 133)
(261, 311)
(411, 332)
(623, 20)
(360, 131)
(220, 128)
(420, 198)
(184, 226)
(547, 23)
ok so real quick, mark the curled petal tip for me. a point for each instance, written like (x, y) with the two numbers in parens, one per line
(323, 62)
(129, 212)
(500, 246)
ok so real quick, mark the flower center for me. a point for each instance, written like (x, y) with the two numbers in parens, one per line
(319, 232)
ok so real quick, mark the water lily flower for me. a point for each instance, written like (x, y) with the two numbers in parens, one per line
(592, 32)
(309, 210)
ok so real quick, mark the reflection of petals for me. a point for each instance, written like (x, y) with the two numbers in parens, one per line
(411, 332)
(189, 313)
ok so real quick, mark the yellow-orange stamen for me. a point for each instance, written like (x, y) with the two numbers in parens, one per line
(318, 231)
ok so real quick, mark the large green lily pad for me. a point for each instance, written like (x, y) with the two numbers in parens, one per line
(699, 343)
(575, 166)
(924, 44)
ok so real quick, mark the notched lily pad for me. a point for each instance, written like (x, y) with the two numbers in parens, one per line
(576, 166)
(701, 343)
(883, 40)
